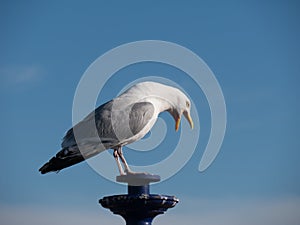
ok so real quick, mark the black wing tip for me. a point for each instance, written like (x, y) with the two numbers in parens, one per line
(47, 167)
(56, 164)
(44, 169)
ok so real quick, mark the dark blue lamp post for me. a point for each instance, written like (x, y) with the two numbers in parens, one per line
(138, 207)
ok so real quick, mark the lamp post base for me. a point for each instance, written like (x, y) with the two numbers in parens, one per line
(138, 207)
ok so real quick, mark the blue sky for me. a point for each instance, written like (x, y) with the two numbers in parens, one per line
(253, 50)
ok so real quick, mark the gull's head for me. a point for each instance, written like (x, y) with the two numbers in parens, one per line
(167, 98)
(180, 105)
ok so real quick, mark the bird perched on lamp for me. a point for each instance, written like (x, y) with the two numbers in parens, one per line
(121, 121)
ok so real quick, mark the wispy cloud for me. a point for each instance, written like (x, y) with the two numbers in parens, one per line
(36, 215)
(20, 74)
(243, 212)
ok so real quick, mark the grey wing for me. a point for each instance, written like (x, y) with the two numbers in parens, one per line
(86, 131)
(112, 126)
(122, 123)
(140, 115)
(87, 138)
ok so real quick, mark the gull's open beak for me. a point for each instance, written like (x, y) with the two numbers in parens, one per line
(177, 123)
(189, 118)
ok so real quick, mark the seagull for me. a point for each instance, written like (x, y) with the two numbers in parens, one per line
(121, 121)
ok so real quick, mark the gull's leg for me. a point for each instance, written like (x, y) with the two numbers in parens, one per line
(116, 156)
(127, 169)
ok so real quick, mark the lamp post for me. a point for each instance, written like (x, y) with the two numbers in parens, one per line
(138, 207)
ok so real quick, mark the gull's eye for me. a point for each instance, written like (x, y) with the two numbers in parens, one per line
(187, 104)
